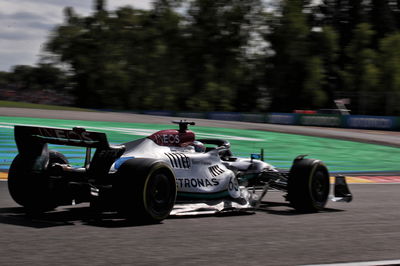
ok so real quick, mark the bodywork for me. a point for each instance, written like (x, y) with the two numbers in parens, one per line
(207, 182)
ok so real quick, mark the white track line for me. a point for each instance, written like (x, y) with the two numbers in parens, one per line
(361, 263)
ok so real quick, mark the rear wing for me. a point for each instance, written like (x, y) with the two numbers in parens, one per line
(27, 137)
(32, 143)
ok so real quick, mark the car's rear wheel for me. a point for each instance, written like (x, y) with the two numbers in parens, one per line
(145, 190)
(31, 188)
(308, 186)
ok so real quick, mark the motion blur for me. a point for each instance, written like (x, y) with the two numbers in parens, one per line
(221, 55)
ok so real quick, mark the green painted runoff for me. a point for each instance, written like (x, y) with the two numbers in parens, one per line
(280, 149)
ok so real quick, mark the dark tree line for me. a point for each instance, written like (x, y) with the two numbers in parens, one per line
(164, 58)
(30, 78)
(338, 48)
(233, 55)
(44, 83)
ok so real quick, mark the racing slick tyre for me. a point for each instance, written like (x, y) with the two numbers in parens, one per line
(32, 189)
(308, 185)
(57, 157)
(145, 190)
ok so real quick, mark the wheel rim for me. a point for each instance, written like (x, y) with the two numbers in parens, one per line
(320, 187)
(160, 194)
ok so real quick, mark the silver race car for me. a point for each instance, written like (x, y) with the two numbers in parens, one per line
(167, 173)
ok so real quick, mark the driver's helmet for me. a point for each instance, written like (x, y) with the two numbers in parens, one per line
(199, 146)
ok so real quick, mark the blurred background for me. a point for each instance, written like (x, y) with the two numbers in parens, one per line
(219, 55)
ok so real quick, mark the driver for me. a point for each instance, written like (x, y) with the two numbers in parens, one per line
(198, 146)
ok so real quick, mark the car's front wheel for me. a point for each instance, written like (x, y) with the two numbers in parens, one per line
(309, 185)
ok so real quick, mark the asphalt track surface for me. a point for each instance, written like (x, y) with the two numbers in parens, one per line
(366, 229)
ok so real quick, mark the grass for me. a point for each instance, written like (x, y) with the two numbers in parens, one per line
(40, 106)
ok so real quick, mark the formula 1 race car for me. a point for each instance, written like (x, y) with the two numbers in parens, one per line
(168, 172)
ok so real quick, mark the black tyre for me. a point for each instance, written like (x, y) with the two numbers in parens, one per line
(308, 186)
(145, 190)
(57, 157)
(31, 189)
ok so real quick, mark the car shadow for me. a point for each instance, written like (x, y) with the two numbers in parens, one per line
(65, 217)
(69, 216)
(284, 208)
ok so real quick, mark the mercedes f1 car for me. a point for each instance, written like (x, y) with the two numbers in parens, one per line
(168, 172)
